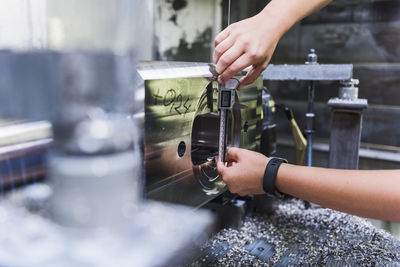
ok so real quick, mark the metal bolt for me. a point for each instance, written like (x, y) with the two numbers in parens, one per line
(349, 89)
(312, 57)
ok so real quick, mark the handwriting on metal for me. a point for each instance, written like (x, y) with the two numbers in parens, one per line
(174, 100)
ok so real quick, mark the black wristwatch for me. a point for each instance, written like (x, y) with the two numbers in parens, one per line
(270, 176)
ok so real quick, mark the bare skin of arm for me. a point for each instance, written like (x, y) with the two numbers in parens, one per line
(369, 193)
(251, 42)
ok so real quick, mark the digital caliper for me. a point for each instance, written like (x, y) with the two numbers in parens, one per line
(226, 99)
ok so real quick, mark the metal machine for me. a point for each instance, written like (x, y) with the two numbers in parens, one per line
(182, 126)
(173, 105)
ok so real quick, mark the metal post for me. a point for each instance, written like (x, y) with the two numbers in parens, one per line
(312, 58)
(346, 125)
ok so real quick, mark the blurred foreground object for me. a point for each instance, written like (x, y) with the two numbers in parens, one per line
(93, 199)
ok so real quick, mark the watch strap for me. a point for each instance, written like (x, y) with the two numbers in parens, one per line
(271, 171)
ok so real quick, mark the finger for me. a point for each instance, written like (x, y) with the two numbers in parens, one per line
(221, 36)
(231, 189)
(252, 75)
(233, 154)
(232, 163)
(228, 58)
(237, 66)
(242, 194)
(221, 168)
(222, 47)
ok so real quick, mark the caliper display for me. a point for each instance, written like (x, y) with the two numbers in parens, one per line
(226, 99)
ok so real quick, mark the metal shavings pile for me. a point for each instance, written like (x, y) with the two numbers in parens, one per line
(295, 236)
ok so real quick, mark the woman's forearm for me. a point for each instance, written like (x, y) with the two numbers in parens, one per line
(373, 194)
(289, 12)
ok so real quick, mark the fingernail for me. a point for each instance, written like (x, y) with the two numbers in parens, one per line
(220, 80)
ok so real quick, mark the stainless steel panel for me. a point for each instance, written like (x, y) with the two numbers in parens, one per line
(181, 130)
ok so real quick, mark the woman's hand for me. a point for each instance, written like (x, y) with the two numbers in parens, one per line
(245, 171)
(250, 42)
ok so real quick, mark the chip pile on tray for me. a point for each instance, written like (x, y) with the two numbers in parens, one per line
(295, 236)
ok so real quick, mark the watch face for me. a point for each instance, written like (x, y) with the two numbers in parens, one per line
(225, 99)
(283, 160)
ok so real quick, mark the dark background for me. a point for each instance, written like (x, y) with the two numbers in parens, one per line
(363, 33)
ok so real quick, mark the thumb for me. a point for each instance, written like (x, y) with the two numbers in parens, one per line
(252, 74)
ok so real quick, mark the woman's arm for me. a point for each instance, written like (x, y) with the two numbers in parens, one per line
(251, 42)
(373, 194)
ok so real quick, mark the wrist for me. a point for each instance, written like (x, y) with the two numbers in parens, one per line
(279, 182)
(284, 178)
(270, 176)
(277, 17)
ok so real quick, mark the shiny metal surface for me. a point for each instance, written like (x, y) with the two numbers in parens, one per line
(310, 72)
(154, 70)
(349, 89)
(182, 126)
